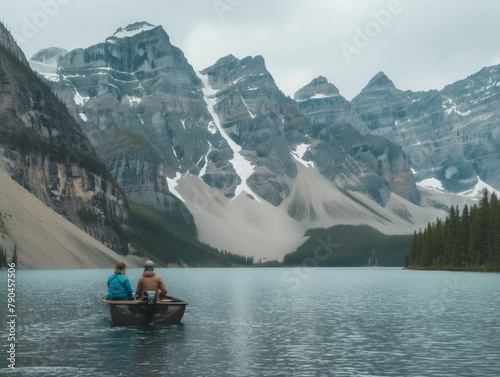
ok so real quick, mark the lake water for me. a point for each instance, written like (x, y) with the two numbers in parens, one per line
(263, 322)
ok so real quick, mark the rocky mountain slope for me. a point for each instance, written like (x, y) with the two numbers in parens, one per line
(43, 149)
(147, 112)
(44, 238)
(253, 114)
(226, 145)
(54, 188)
(344, 151)
(450, 135)
(139, 101)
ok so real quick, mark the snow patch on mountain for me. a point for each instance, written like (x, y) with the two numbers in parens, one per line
(131, 30)
(79, 99)
(134, 100)
(48, 71)
(298, 154)
(432, 184)
(54, 77)
(203, 170)
(451, 107)
(248, 109)
(242, 166)
(316, 96)
(212, 128)
(172, 184)
(478, 190)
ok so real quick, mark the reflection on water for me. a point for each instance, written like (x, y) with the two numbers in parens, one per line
(142, 348)
(254, 322)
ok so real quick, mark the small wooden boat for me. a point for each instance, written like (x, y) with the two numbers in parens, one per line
(138, 312)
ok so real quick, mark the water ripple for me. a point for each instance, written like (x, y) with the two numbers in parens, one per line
(250, 322)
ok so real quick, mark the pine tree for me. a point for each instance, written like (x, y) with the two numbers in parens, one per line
(465, 231)
(494, 251)
(474, 245)
(418, 249)
(483, 219)
(469, 240)
(410, 255)
(14, 255)
(454, 244)
(427, 247)
(439, 242)
(490, 239)
(3, 257)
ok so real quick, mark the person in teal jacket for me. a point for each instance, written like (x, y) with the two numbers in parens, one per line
(119, 287)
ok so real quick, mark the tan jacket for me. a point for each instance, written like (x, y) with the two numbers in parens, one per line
(149, 281)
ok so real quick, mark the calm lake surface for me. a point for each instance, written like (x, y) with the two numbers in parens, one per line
(263, 322)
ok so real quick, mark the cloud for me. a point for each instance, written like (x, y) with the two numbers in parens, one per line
(426, 45)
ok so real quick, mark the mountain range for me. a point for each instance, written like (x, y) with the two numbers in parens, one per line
(255, 168)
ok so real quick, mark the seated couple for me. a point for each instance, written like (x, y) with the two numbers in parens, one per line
(119, 287)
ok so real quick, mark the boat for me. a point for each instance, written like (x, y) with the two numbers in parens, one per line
(147, 310)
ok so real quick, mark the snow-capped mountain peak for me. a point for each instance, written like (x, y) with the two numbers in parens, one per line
(131, 30)
(316, 89)
(165, 131)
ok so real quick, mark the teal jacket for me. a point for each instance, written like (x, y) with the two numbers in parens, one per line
(119, 287)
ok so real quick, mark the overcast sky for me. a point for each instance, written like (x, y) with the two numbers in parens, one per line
(419, 44)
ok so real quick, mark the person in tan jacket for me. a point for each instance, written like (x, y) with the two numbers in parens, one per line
(149, 281)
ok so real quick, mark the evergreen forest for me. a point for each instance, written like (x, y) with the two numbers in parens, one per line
(467, 240)
(350, 246)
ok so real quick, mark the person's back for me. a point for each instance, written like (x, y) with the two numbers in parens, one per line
(150, 281)
(119, 287)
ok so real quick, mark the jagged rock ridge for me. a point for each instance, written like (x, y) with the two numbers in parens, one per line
(141, 104)
(344, 151)
(451, 135)
(152, 120)
(252, 111)
(167, 133)
(43, 148)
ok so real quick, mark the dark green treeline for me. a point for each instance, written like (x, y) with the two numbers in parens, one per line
(469, 240)
(350, 246)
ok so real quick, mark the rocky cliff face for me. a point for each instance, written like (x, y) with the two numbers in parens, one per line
(344, 150)
(7, 41)
(141, 104)
(43, 148)
(470, 106)
(152, 120)
(450, 135)
(319, 129)
(322, 103)
(254, 114)
(230, 146)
